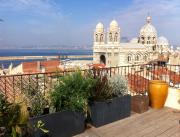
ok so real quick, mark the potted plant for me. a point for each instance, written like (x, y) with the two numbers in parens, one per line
(109, 100)
(13, 119)
(33, 97)
(69, 102)
(140, 103)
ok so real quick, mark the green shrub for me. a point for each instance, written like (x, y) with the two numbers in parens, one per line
(10, 117)
(109, 87)
(72, 92)
(33, 97)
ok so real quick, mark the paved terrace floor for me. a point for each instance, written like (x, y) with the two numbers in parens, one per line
(153, 123)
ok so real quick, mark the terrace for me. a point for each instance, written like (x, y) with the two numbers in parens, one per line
(153, 123)
(164, 122)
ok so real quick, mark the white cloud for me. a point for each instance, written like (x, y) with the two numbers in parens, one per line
(38, 7)
(48, 24)
(165, 17)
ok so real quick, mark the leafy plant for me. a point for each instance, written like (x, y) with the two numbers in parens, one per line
(119, 85)
(108, 87)
(40, 125)
(101, 91)
(33, 97)
(72, 92)
(10, 117)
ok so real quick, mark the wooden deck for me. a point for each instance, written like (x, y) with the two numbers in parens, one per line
(154, 123)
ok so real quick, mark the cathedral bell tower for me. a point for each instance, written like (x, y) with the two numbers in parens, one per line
(113, 33)
(99, 35)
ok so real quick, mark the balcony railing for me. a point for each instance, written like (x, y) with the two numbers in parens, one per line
(138, 77)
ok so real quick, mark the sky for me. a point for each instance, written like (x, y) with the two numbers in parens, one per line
(72, 22)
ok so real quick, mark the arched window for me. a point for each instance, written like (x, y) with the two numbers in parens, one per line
(96, 37)
(145, 57)
(138, 40)
(101, 38)
(110, 37)
(116, 37)
(142, 39)
(137, 58)
(129, 58)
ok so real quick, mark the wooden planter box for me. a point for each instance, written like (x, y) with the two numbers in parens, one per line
(60, 124)
(139, 103)
(102, 113)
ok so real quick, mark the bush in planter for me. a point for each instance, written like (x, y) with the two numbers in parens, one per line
(72, 92)
(12, 119)
(116, 104)
(119, 85)
(69, 100)
(101, 90)
(33, 98)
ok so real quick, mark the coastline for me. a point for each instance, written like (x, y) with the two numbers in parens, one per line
(7, 58)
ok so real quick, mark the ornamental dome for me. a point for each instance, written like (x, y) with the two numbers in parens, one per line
(114, 26)
(100, 27)
(162, 41)
(134, 40)
(148, 30)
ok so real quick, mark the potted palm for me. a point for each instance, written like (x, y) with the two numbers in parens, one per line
(69, 102)
(109, 100)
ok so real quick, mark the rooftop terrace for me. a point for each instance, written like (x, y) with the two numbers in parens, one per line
(138, 77)
(153, 123)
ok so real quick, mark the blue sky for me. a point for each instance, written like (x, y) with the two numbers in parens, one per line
(72, 22)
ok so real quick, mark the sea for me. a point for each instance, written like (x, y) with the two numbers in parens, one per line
(38, 52)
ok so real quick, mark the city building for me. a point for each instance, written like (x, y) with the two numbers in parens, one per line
(109, 50)
(35, 67)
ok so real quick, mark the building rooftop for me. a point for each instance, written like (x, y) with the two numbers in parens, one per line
(38, 66)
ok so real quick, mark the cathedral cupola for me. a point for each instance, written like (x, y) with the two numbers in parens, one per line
(148, 33)
(99, 28)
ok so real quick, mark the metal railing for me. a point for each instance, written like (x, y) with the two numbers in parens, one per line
(138, 77)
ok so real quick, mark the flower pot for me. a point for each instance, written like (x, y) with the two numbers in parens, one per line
(102, 113)
(140, 103)
(158, 91)
(60, 124)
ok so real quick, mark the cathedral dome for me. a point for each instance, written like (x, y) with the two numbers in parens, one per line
(100, 27)
(134, 40)
(148, 30)
(162, 41)
(114, 25)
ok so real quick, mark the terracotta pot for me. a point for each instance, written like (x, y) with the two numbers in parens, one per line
(158, 91)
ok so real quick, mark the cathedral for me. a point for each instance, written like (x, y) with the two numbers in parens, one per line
(109, 50)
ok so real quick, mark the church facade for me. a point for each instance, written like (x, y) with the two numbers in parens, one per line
(109, 50)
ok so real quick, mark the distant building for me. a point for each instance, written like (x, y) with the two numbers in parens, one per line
(35, 67)
(109, 50)
(175, 56)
